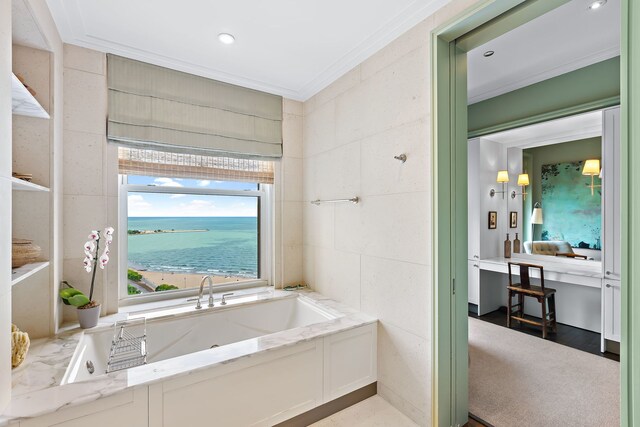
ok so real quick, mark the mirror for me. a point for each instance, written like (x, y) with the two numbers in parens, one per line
(552, 208)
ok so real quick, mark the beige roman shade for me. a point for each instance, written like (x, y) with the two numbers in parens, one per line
(136, 161)
(152, 107)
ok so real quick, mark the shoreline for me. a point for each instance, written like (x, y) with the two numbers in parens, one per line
(183, 280)
(143, 232)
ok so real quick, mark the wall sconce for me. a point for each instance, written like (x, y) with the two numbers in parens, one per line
(503, 177)
(592, 168)
(523, 181)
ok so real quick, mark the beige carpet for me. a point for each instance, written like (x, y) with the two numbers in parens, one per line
(521, 380)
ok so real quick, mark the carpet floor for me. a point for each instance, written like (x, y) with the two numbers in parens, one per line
(519, 380)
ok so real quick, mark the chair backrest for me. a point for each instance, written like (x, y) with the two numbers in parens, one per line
(525, 281)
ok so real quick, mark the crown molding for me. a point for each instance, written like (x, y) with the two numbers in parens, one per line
(499, 88)
(66, 11)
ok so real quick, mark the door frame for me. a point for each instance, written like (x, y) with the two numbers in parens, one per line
(449, 44)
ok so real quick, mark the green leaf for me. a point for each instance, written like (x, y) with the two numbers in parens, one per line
(68, 293)
(79, 300)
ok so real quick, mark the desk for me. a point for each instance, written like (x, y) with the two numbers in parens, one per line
(577, 272)
(578, 284)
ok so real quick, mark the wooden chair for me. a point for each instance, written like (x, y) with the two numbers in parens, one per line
(525, 288)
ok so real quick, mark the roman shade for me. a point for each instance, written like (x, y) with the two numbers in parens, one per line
(135, 161)
(152, 107)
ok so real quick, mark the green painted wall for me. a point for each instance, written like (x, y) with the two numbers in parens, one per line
(595, 86)
(590, 148)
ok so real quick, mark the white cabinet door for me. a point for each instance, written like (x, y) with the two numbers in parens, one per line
(473, 199)
(612, 310)
(611, 202)
(474, 282)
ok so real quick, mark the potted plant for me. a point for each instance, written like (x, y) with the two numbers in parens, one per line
(88, 309)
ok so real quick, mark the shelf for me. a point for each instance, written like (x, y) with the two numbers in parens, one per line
(22, 185)
(23, 103)
(21, 273)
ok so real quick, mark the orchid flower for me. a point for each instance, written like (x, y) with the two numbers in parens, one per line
(104, 259)
(89, 247)
(87, 264)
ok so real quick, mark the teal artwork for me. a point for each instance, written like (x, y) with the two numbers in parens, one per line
(571, 213)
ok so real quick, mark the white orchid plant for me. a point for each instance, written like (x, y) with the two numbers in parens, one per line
(72, 296)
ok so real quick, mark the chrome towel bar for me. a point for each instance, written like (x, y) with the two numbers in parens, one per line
(354, 200)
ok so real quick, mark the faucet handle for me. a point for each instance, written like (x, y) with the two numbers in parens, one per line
(223, 302)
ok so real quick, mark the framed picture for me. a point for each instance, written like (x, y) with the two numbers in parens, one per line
(513, 220)
(493, 220)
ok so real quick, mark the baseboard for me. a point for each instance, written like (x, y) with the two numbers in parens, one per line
(330, 408)
(473, 308)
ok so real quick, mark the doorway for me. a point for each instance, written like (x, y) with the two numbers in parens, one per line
(450, 44)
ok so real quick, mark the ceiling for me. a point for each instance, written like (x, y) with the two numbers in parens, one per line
(571, 128)
(291, 48)
(565, 39)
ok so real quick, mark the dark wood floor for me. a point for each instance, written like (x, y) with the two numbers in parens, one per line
(476, 422)
(570, 336)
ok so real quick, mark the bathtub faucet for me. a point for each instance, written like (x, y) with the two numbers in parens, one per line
(198, 306)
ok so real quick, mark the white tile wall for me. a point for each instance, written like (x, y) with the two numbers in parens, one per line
(376, 256)
(404, 362)
(289, 196)
(90, 173)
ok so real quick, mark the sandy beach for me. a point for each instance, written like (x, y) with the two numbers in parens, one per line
(183, 281)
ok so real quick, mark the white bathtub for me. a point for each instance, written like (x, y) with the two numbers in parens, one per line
(177, 332)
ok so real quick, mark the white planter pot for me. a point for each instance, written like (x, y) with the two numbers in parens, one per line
(88, 317)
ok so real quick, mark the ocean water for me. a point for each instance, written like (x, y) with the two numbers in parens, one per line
(229, 247)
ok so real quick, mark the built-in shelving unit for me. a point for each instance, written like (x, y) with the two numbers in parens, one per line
(22, 185)
(23, 103)
(21, 273)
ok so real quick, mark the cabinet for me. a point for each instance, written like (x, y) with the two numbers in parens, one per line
(611, 310)
(474, 282)
(611, 203)
(473, 200)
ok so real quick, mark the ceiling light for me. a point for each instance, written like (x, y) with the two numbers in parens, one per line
(597, 4)
(488, 53)
(226, 38)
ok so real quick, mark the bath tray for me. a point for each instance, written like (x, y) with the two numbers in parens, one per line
(128, 346)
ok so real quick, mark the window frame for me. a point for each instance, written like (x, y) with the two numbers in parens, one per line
(264, 196)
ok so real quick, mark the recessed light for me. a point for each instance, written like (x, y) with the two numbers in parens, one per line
(226, 38)
(488, 53)
(597, 4)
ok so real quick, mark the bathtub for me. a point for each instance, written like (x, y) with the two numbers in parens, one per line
(177, 332)
(284, 352)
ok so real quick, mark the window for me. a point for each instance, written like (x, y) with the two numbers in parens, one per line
(179, 229)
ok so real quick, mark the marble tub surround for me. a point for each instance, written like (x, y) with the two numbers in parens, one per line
(36, 386)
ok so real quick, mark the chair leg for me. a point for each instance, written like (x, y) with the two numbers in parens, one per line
(521, 308)
(544, 317)
(552, 302)
(510, 295)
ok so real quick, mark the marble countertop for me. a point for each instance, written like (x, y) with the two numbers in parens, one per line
(36, 388)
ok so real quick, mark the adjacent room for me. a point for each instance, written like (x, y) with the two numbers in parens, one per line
(544, 221)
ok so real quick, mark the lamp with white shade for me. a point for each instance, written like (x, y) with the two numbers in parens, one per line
(523, 181)
(502, 178)
(536, 218)
(592, 168)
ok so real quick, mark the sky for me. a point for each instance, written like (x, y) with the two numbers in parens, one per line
(187, 205)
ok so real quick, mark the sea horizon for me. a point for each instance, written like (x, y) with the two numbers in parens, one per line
(218, 245)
